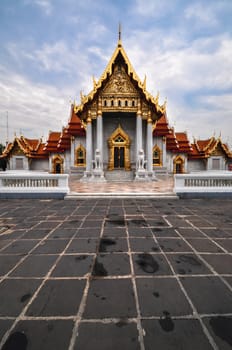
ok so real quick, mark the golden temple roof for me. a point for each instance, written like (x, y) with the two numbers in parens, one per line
(97, 85)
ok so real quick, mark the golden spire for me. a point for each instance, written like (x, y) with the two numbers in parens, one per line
(119, 34)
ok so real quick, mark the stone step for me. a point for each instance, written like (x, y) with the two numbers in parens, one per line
(145, 195)
(75, 170)
(119, 175)
(161, 170)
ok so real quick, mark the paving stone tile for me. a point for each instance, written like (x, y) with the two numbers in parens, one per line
(157, 222)
(34, 266)
(40, 334)
(51, 246)
(88, 232)
(105, 301)
(224, 243)
(47, 224)
(12, 234)
(140, 232)
(113, 245)
(176, 221)
(111, 265)
(70, 224)
(92, 223)
(158, 295)
(145, 245)
(173, 245)
(15, 294)
(58, 298)
(114, 232)
(208, 294)
(216, 233)
(20, 247)
(187, 264)
(204, 245)
(114, 223)
(137, 223)
(4, 326)
(229, 280)
(164, 232)
(221, 263)
(171, 334)
(188, 232)
(150, 264)
(220, 329)
(36, 234)
(73, 266)
(113, 336)
(63, 233)
(83, 245)
(7, 262)
(4, 243)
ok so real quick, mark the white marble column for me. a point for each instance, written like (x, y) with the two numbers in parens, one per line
(164, 151)
(100, 135)
(149, 145)
(89, 145)
(138, 131)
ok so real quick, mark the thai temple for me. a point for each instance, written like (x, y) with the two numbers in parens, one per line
(118, 130)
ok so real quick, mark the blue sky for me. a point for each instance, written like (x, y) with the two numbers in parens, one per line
(50, 49)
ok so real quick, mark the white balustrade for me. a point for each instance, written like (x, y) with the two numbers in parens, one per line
(33, 182)
(212, 182)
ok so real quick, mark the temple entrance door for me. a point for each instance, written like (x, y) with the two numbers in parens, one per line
(119, 150)
(178, 165)
(119, 157)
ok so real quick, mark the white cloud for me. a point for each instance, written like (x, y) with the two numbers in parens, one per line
(44, 5)
(202, 14)
(152, 8)
(186, 69)
(32, 108)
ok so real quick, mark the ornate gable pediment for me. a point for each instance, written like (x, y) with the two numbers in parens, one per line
(17, 151)
(218, 151)
(119, 83)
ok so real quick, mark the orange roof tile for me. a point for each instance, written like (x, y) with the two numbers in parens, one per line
(171, 141)
(75, 127)
(183, 142)
(32, 148)
(162, 127)
(52, 142)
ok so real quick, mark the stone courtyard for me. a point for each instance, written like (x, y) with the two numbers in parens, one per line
(116, 274)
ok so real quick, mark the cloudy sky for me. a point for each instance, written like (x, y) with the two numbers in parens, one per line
(50, 49)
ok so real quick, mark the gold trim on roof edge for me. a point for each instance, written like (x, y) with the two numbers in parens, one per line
(108, 71)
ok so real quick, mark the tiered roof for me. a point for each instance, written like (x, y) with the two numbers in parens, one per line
(205, 148)
(162, 127)
(32, 148)
(171, 141)
(52, 142)
(183, 142)
(176, 141)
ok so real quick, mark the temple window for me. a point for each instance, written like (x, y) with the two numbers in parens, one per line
(119, 139)
(119, 103)
(157, 156)
(112, 103)
(80, 156)
(133, 103)
(105, 103)
(126, 103)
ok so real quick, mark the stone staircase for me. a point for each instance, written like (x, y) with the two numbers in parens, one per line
(119, 175)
